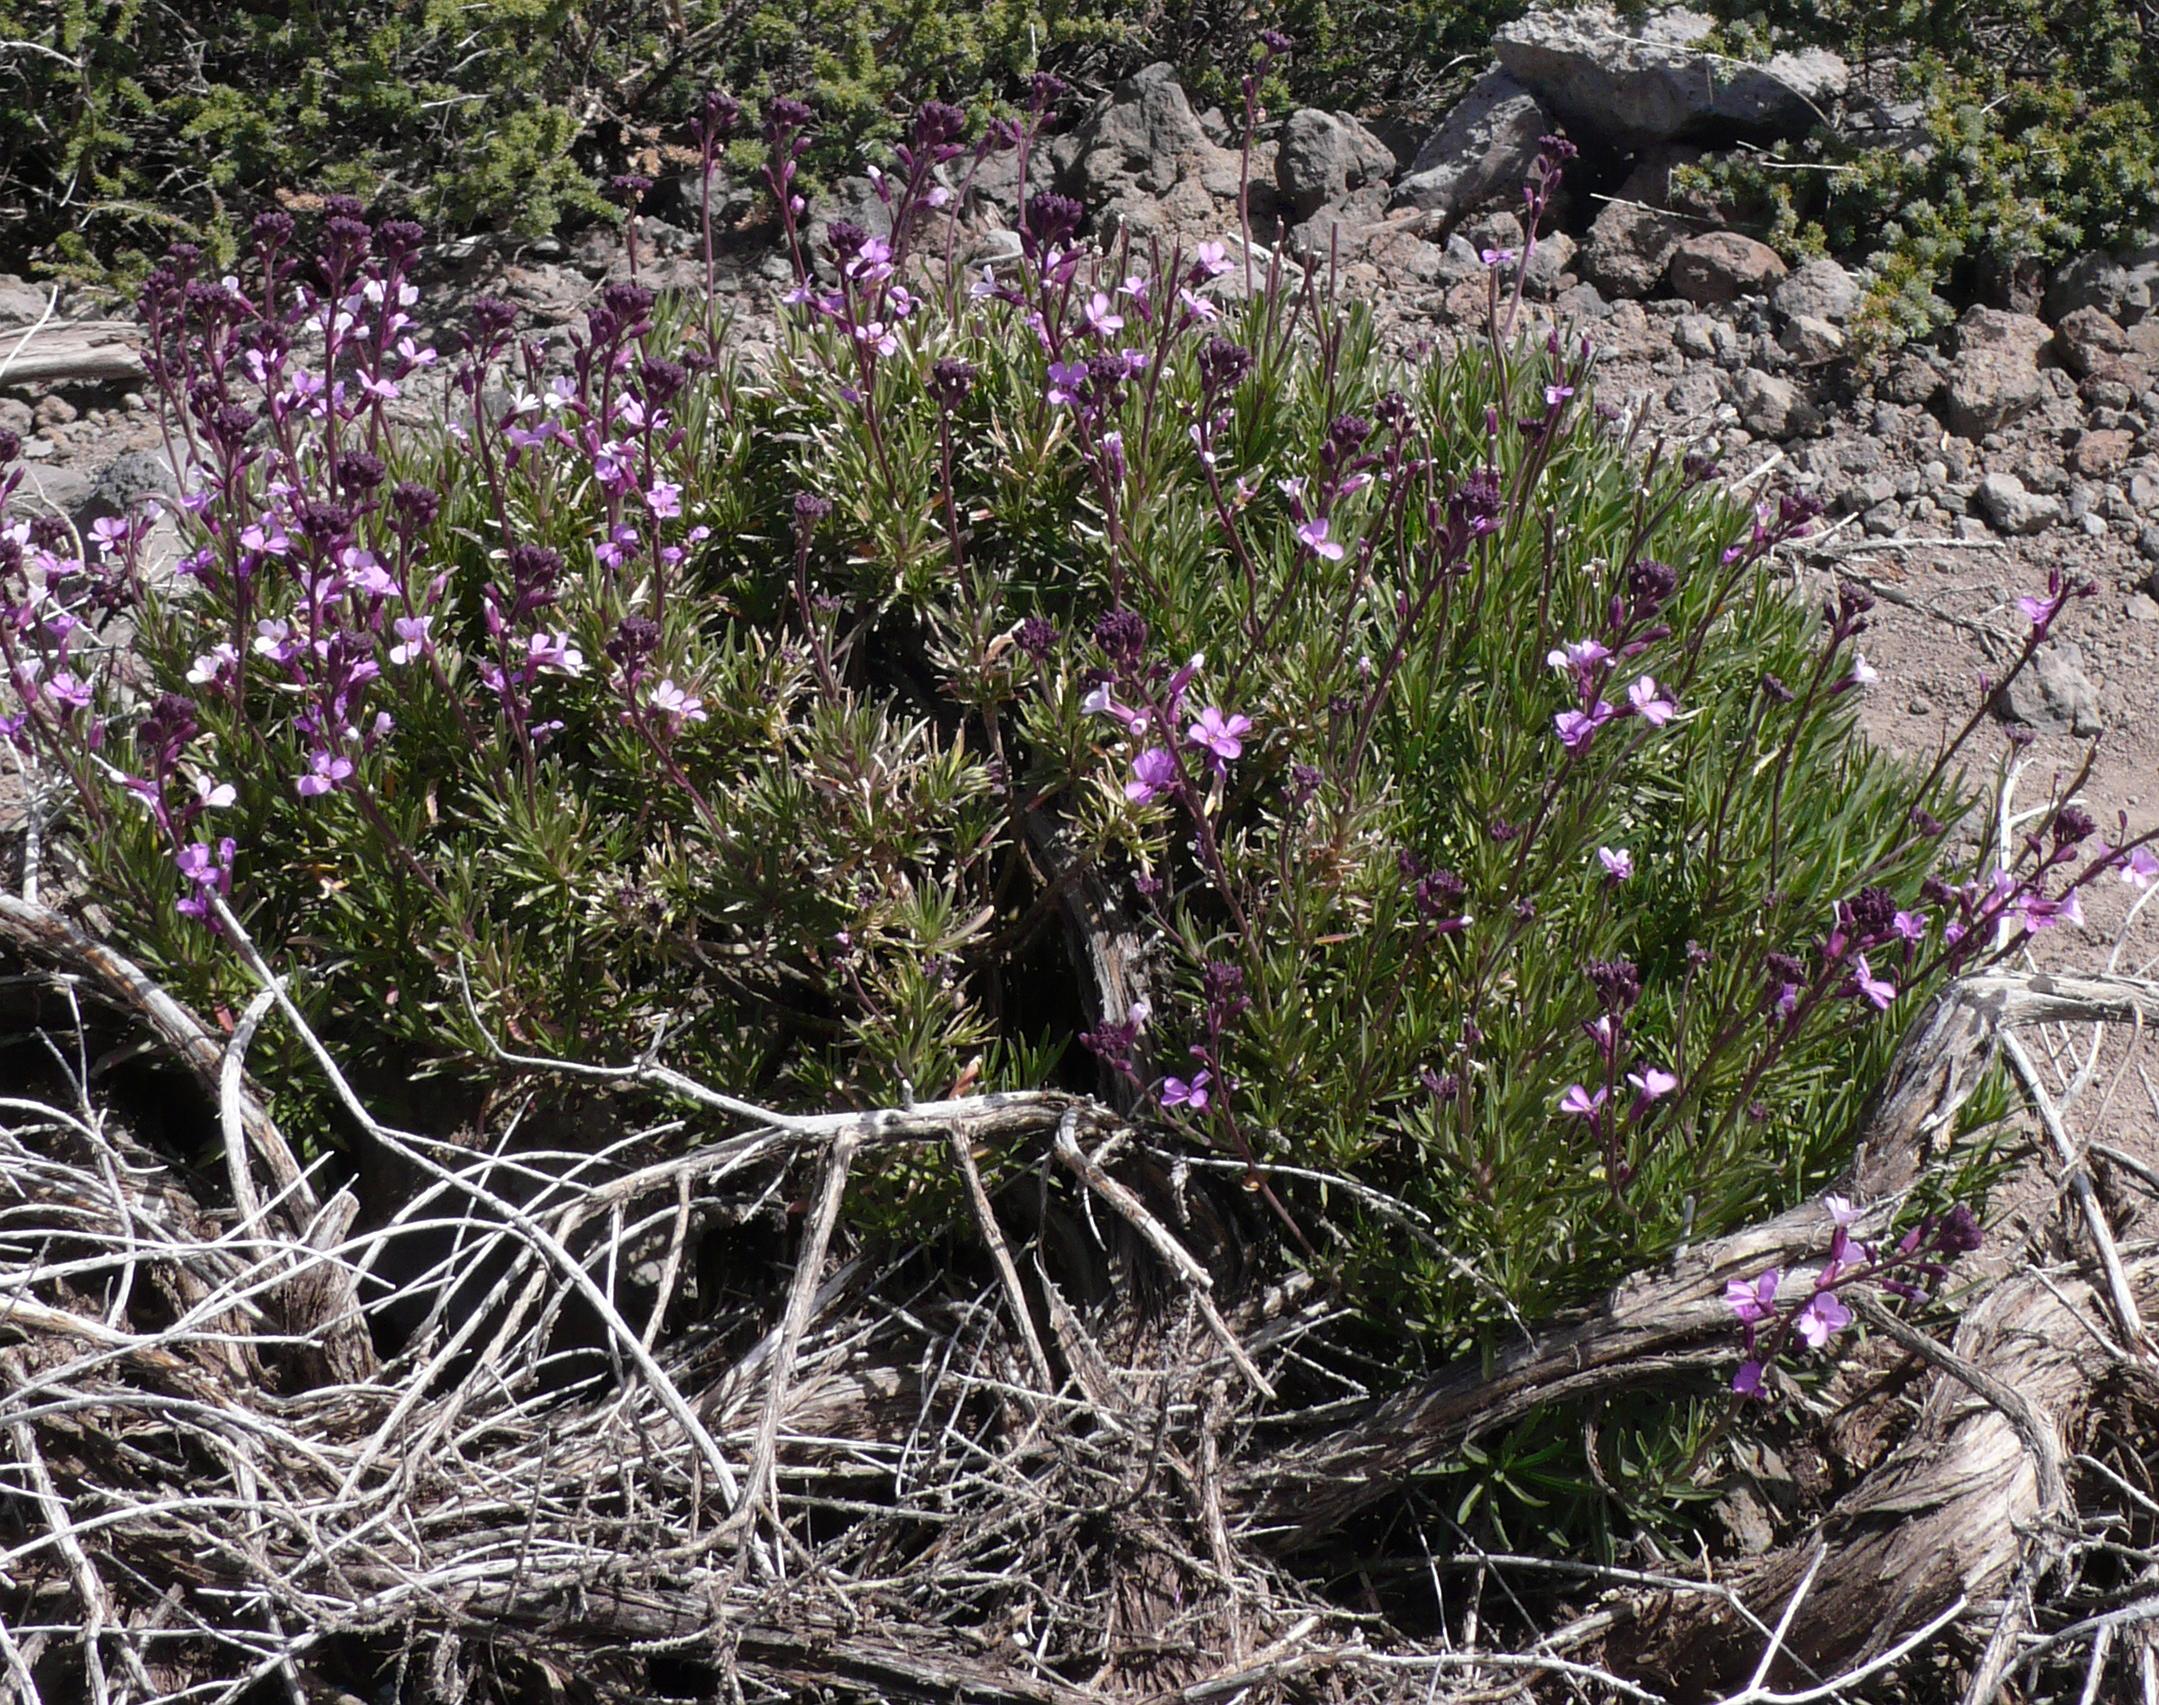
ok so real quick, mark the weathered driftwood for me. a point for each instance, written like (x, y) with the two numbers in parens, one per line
(68, 355)
(870, 1491)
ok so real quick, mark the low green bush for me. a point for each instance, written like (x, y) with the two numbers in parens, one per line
(1511, 895)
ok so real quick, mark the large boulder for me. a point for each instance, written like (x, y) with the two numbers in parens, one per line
(1323, 156)
(2122, 284)
(1994, 377)
(1723, 266)
(1633, 81)
(1144, 160)
(1480, 153)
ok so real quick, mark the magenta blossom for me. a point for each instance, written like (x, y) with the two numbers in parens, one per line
(1580, 1103)
(1617, 861)
(1823, 1318)
(1653, 1083)
(325, 771)
(1577, 728)
(1154, 771)
(1221, 736)
(1870, 987)
(1313, 535)
(676, 705)
(1754, 1300)
(1651, 703)
(1178, 1093)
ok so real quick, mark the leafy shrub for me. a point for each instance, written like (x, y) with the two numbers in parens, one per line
(1495, 833)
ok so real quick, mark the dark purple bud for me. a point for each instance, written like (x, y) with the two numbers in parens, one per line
(491, 317)
(1442, 1087)
(2071, 825)
(663, 379)
(345, 240)
(1121, 634)
(272, 230)
(321, 519)
(1776, 689)
(1618, 983)
(628, 189)
(1274, 43)
(359, 470)
(1223, 365)
(417, 505)
(783, 113)
(1872, 912)
(938, 122)
(809, 510)
(343, 207)
(719, 116)
(10, 446)
(401, 238)
(846, 238)
(951, 379)
(1044, 90)
(1651, 583)
(1038, 638)
(1051, 218)
(635, 639)
(1959, 1233)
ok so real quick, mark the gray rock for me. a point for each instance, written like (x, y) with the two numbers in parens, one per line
(1819, 289)
(1648, 79)
(125, 484)
(1581, 302)
(1325, 155)
(1773, 407)
(2014, 509)
(21, 302)
(1811, 340)
(2122, 284)
(1915, 380)
(1144, 161)
(1481, 151)
(2053, 695)
(1994, 376)
(1629, 247)
(1722, 266)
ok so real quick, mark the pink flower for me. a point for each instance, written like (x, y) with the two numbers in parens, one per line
(213, 794)
(1748, 1380)
(1823, 1318)
(1580, 1103)
(1578, 727)
(1617, 861)
(1178, 1093)
(1870, 987)
(325, 770)
(1650, 702)
(64, 688)
(1102, 702)
(1653, 1083)
(676, 705)
(2139, 867)
(554, 653)
(1911, 926)
(1754, 1300)
(1211, 259)
(1101, 316)
(1153, 771)
(1841, 1210)
(412, 638)
(1222, 736)
(1313, 535)
(1066, 378)
(1580, 655)
(664, 499)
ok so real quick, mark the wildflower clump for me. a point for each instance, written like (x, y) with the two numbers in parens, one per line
(1485, 826)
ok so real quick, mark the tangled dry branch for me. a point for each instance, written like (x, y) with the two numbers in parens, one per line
(1059, 1472)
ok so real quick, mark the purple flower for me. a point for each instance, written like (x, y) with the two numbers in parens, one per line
(1313, 534)
(1748, 1380)
(1497, 257)
(2139, 867)
(1101, 316)
(1578, 727)
(1653, 1083)
(1066, 378)
(1617, 861)
(1102, 702)
(1178, 1093)
(1870, 987)
(1580, 1103)
(1154, 771)
(1651, 703)
(664, 499)
(1912, 926)
(412, 638)
(1753, 1300)
(325, 771)
(62, 687)
(1580, 655)
(676, 705)
(554, 653)
(1222, 736)
(1823, 1318)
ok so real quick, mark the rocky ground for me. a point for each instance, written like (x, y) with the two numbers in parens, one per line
(1958, 472)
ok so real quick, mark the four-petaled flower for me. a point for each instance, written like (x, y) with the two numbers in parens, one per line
(554, 653)
(1651, 703)
(1580, 1103)
(1066, 378)
(1153, 772)
(1653, 1083)
(1617, 861)
(675, 704)
(1221, 736)
(412, 638)
(1753, 1300)
(664, 499)
(1578, 727)
(1313, 536)
(2139, 867)
(1870, 987)
(1101, 316)
(1823, 1318)
(325, 770)
(1178, 1093)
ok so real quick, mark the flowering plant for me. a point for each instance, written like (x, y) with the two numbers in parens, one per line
(1494, 831)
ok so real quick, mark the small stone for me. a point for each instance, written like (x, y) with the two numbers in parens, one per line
(1818, 290)
(55, 410)
(2094, 526)
(1920, 706)
(1994, 377)
(1811, 340)
(2143, 607)
(1914, 380)
(1628, 248)
(2053, 695)
(1723, 266)
(1772, 406)
(2005, 501)
(2098, 454)
(1696, 335)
